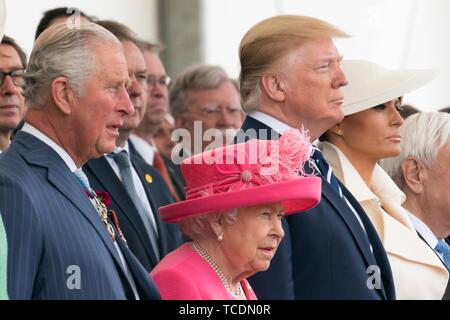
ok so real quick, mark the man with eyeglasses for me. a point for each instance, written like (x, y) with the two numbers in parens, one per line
(142, 139)
(206, 103)
(12, 105)
(137, 190)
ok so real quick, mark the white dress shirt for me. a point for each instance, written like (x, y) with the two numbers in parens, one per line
(270, 121)
(28, 128)
(143, 148)
(425, 232)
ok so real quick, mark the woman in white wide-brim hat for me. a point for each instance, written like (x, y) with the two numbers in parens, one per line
(368, 133)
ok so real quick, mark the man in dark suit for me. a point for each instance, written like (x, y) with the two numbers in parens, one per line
(290, 78)
(137, 190)
(61, 243)
(142, 139)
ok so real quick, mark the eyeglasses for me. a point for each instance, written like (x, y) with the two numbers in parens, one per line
(215, 111)
(16, 75)
(164, 81)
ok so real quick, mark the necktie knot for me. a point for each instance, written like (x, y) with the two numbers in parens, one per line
(326, 170)
(122, 159)
(82, 178)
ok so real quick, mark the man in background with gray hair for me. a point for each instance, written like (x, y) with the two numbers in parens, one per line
(203, 98)
(142, 138)
(422, 172)
(13, 62)
(61, 242)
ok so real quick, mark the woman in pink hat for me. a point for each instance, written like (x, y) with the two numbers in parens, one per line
(235, 198)
(370, 132)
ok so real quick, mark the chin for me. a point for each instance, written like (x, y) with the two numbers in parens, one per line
(389, 153)
(106, 147)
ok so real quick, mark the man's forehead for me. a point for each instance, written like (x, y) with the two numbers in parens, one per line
(7, 51)
(9, 55)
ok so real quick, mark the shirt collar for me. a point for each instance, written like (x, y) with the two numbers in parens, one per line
(270, 121)
(424, 230)
(125, 147)
(28, 128)
(145, 149)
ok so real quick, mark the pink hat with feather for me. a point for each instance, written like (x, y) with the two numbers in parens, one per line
(248, 174)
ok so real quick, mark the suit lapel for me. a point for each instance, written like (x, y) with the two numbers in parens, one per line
(350, 220)
(66, 183)
(361, 239)
(101, 169)
(139, 167)
(335, 200)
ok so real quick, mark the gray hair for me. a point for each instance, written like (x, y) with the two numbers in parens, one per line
(63, 52)
(423, 136)
(198, 227)
(197, 77)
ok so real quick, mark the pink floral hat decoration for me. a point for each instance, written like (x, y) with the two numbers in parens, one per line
(247, 174)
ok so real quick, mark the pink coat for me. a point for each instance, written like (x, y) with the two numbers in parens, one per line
(185, 275)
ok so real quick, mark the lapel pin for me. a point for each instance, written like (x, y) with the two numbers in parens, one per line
(148, 178)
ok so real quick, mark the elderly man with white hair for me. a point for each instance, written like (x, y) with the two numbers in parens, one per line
(422, 172)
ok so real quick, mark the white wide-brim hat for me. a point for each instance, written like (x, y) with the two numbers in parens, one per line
(2, 18)
(371, 84)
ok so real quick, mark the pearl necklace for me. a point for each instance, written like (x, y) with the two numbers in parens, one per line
(219, 272)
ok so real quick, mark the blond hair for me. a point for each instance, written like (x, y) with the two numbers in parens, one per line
(268, 42)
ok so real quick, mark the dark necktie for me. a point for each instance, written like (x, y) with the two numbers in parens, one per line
(123, 162)
(326, 171)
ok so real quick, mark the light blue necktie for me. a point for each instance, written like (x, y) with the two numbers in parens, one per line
(444, 249)
(83, 180)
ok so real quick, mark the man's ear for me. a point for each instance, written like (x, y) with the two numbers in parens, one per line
(274, 87)
(63, 95)
(414, 174)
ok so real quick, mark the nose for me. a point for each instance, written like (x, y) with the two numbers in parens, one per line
(135, 89)
(340, 80)
(8, 87)
(226, 119)
(397, 119)
(278, 231)
(158, 90)
(124, 105)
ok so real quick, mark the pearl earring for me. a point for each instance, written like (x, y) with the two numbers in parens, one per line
(220, 237)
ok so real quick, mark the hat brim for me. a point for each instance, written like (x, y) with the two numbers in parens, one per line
(295, 195)
(366, 91)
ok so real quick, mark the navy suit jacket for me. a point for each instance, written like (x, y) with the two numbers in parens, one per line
(325, 253)
(174, 172)
(102, 177)
(55, 235)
